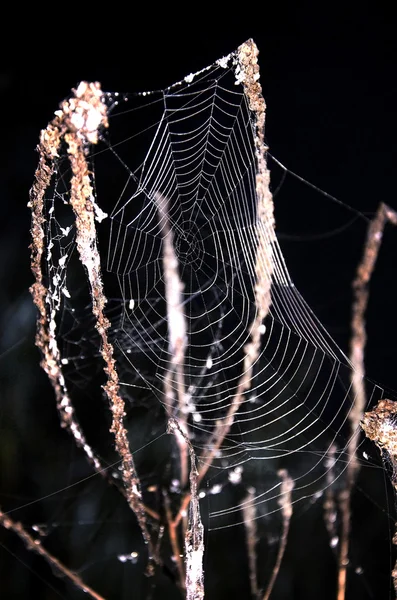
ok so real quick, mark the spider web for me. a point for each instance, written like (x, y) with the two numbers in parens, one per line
(189, 173)
(177, 169)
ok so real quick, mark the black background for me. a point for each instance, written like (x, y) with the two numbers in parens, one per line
(328, 78)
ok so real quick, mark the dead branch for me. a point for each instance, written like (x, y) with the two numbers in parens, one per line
(247, 73)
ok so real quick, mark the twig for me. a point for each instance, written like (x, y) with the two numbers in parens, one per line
(357, 347)
(380, 426)
(249, 518)
(36, 546)
(286, 511)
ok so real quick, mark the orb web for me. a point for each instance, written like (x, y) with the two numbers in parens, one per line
(183, 243)
(196, 182)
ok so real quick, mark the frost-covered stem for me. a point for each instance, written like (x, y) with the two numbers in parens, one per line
(36, 546)
(380, 426)
(286, 510)
(81, 117)
(249, 518)
(357, 347)
(247, 73)
(177, 337)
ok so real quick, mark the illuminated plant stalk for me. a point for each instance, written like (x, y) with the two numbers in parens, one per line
(78, 122)
(194, 539)
(177, 338)
(194, 536)
(46, 326)
(47, 306)
(36, 546)
(85, 115)
(247, 73)
(357, 347)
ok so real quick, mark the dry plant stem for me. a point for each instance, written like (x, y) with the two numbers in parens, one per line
(194, 537)
(47, 307)
(46, 339)
(176, 335)
(247, 72)
(357, 347)
(249, 518)
(380, 426)
(78, 122)
(36, 546)
(88, 110)
(177, 346)
(286, 511)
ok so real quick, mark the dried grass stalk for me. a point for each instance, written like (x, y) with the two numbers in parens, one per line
(78, 122)
(247, 73)
(177, 337)
(357, 348)
(36, 546)
(194, 537)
